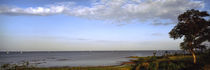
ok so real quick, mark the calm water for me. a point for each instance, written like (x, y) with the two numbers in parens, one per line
(76, 58)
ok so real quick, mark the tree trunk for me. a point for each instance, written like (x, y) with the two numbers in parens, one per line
(194, 56)
(192, 52)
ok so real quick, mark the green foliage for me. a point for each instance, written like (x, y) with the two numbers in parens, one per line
(205, 57)
(153, 66)
(181, 62)
(193, 26)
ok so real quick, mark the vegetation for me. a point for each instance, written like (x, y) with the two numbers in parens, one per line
(193, 26)
(164, 63)
(173, 62)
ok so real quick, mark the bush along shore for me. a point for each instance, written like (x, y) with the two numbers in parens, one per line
(164, 62)
(173, 62)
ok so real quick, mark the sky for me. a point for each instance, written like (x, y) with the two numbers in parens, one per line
(88, 25)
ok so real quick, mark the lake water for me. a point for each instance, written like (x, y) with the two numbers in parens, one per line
(72, 58)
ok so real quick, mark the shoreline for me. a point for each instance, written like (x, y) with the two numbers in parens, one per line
(137, 63)
(125, 65)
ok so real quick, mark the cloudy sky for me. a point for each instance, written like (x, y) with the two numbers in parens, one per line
(72, 25)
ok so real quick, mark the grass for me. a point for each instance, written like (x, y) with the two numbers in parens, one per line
(170, 62)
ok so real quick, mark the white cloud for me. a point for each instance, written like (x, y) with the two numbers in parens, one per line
(114, 10)
(41, 11)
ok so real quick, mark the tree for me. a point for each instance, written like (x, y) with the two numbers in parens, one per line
(194, 27)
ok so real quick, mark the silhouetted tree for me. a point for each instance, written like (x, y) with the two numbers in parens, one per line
(195, 28)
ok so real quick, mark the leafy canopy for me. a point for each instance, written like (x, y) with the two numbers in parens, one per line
(194, 27)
